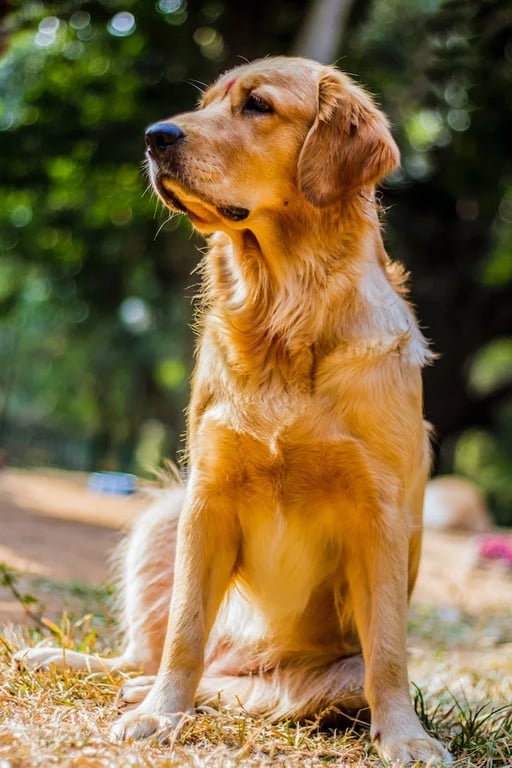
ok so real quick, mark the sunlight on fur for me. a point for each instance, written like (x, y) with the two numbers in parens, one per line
(292, 550)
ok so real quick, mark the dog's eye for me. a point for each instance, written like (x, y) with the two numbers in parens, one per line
(256, 104)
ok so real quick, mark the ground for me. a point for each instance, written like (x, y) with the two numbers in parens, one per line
(59, 536)
(55, 529)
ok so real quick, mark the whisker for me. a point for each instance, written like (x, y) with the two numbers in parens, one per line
(198, 85)
(148, 189)
(162, 225)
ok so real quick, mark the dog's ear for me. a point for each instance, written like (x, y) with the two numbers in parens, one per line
(349, 145)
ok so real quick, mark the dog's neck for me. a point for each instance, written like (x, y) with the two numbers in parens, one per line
(289, 299)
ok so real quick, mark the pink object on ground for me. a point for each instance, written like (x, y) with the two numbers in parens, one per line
(496, 546)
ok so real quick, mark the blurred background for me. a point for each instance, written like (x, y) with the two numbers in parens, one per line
(95, 285)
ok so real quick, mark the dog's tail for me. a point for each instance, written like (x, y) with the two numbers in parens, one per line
(292, 692)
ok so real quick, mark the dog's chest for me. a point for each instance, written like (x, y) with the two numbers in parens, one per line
(290, 489)
(286, 557)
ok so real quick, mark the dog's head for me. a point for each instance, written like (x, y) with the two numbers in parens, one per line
(266, 135)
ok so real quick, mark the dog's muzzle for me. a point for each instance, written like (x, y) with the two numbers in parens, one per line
(161, 140)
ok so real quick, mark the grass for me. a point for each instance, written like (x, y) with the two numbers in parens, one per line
(60, 718)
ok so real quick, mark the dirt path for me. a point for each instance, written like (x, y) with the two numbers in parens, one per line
(52, 526)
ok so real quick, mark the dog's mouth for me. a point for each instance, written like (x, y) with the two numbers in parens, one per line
(171, 200)
(201, 211)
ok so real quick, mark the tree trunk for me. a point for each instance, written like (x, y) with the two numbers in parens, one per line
(323, 29)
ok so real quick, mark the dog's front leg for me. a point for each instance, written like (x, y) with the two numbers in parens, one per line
(377, 574)
(207, 548)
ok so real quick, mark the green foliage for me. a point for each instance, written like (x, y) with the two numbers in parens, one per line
(79, 233)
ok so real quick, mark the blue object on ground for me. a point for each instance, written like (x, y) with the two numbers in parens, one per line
(120, 483)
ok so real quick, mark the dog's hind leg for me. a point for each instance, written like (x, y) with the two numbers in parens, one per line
(146, 565)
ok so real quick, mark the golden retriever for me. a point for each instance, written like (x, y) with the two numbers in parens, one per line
(292, 550)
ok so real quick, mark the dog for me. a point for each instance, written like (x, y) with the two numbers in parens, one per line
(278, 576)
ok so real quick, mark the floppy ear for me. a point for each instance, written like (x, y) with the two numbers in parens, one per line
(349, 145)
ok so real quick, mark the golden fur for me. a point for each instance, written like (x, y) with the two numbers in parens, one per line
(300, 524)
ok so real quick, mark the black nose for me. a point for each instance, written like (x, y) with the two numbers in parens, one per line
(160, 137)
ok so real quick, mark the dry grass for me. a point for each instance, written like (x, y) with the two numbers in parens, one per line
(60, 718)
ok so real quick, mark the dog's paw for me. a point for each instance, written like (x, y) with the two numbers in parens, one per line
(135, 690)
(140, 725)
(44, 659)
(416, 750)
